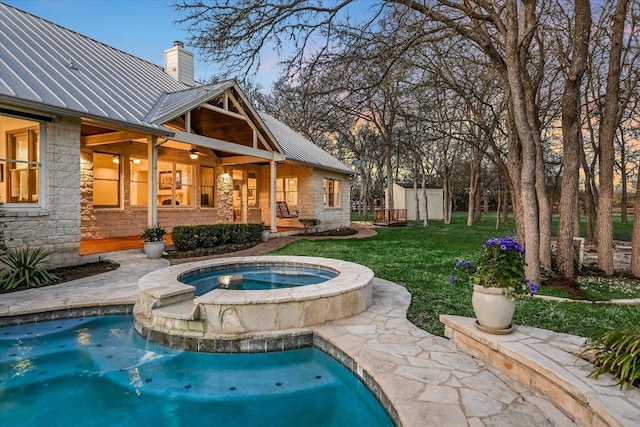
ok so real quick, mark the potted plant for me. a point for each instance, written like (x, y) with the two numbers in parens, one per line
(153, 241)
(497, 275)
(266, 232)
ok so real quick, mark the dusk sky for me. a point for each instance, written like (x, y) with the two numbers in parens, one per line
(143, 28)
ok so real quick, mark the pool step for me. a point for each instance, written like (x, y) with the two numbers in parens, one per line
(182, 310)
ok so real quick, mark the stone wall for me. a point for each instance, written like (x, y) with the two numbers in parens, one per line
(55, 225)
(128, 220)
(331, 217)
(310, 202)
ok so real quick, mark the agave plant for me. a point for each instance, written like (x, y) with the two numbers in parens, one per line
(616, 352)
(25, 267)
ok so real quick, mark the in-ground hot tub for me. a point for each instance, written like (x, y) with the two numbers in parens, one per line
(230, 320)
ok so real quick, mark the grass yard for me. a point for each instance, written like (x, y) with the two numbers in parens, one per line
(422, 259)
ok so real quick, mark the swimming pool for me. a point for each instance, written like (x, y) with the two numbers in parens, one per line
(256, 278)
(99, 372)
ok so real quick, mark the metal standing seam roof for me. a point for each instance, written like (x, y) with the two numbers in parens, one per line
(45, 65)
(298, 148)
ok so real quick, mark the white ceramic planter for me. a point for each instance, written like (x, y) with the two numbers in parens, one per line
(494, 310)
(265, 235)
(154, 250)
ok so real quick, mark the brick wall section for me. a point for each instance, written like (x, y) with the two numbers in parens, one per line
(56, 225)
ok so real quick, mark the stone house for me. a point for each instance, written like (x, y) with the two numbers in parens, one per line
(96, 143)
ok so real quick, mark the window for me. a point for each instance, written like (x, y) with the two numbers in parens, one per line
(139, 182)
(287, 190)
(207, 179)
(175, 186)
(331, 193)
(20, 161)
(252, 188)
(106, 180)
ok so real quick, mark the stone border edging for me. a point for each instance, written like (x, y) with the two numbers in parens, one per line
(546, 361)
(630, 301)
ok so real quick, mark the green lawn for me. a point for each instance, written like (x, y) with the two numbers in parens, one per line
(422, 259)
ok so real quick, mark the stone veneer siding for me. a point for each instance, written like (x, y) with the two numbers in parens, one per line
(310, 203)
(99, 223)
(55, 224)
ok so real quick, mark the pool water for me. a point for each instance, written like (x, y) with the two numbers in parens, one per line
(256, 278)
(99, 372)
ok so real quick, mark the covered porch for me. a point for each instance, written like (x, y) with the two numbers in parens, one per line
(214, 163)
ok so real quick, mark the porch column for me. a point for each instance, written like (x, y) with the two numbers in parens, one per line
(272, 195)
(152, 190)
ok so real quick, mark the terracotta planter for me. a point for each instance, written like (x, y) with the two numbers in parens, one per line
(494, 310)
(154, 250)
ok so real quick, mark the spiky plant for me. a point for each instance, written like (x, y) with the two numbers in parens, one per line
(25, 267)
(616, 352)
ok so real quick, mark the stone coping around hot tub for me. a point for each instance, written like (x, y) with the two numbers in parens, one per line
(351, 276)
(547, 361)
(163, 301)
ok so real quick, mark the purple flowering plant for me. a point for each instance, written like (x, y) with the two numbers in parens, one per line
(499, 264)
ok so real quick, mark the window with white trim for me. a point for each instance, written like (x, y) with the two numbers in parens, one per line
(331, 193)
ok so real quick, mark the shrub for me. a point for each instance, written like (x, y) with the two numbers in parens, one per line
(616, 352)
(25, 267)
(308, 223)
(190, 237)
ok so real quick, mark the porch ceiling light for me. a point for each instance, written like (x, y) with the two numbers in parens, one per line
(193, 153)
(115, 159)
(136, 161)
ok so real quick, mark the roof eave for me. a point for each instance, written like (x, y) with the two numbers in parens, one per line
(151, 129)
(193, 103)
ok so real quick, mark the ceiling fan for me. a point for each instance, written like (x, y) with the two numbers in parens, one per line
(194, 153)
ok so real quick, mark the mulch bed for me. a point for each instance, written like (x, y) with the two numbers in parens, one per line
(566, 284)
(335, 233)
(66, 274)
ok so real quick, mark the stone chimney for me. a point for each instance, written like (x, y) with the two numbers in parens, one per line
(178, 63)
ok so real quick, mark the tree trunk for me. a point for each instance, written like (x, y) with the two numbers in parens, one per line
(623, 180)
(505, 207)
(527, 141)
(608, 126)
(447, 197)
(416, 196)
(589, 201)
(571, 128)
(389, 168)
(426, 199)
(635, 237)
(498, 208)
(474, 184)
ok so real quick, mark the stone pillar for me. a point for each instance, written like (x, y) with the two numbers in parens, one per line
(224, 187)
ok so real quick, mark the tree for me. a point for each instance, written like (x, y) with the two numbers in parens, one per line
(609, 124)
(571, 140)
